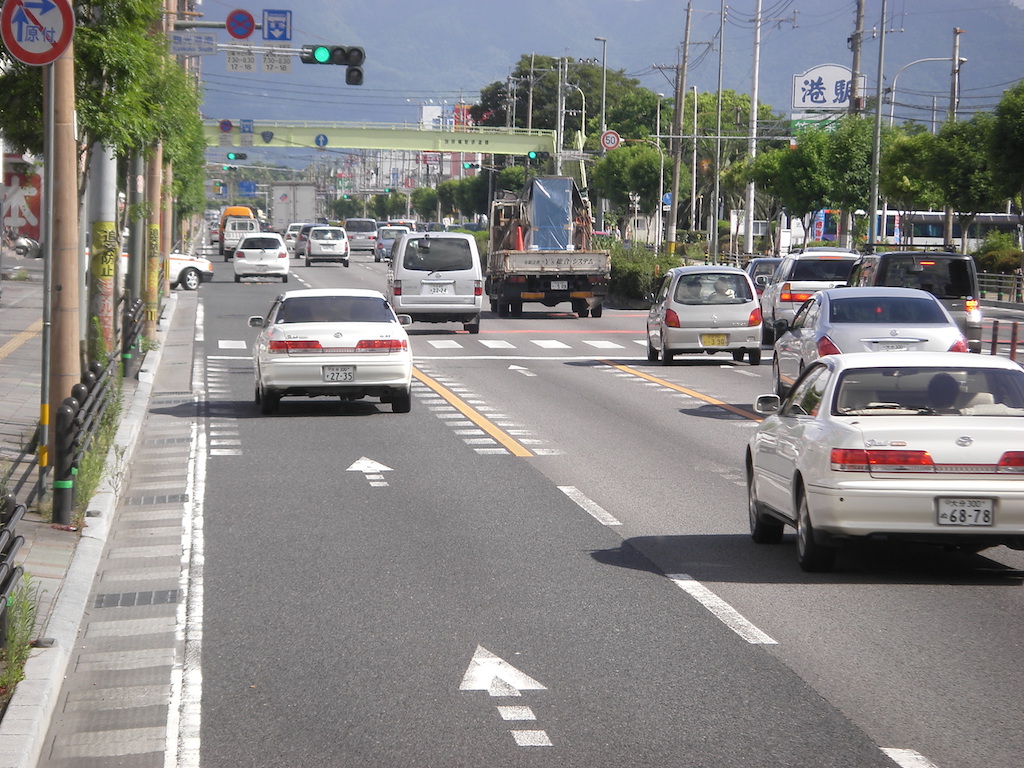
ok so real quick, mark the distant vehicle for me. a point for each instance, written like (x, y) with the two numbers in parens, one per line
(261, 255)
(798, 277)
(327, 244)
(236, 211)
(707, 309)
(290, 234)
(362, 233)
(386, 237)
(183, 270)
(292, 201)
(951, 277)
(761, 270)
(332, 342)
(436, 277)
(843, 320)
(890, 446)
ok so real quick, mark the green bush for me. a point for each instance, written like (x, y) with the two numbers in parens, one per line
(635, 269)
(998, 253)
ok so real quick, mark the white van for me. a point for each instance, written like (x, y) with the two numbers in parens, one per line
(436, 278)
(235, 228)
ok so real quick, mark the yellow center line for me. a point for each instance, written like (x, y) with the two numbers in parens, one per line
(21, 338)
(684, 390)
(470, 413)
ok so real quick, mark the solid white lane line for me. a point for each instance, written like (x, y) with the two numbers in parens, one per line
(721, 609)
(589, 506)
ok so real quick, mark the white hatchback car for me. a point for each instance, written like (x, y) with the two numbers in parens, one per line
(886, 445)
(327, 244)
(340, 342)
(261, 255)
(709, 308)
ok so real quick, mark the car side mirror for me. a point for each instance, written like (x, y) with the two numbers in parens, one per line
(761, 281)
(405, 319)
(256, 321)
(781, 326)
(767, 404)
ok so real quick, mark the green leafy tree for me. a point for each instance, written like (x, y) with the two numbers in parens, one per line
(424, 202)
(903, 179)
(1006, 144)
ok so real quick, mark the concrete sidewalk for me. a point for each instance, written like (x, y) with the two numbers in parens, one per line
(61, 563)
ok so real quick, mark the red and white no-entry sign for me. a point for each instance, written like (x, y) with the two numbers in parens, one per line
(37, 32)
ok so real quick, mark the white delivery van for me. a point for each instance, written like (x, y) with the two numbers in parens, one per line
(436, 277)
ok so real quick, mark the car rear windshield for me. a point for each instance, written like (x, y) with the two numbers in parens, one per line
(355, 225)
(886, 309)
(437, 255)
(712, 288)
(823, 270)
(942, 277)
(254, 243)
(326, 234)
(335, 309)
(913, 390)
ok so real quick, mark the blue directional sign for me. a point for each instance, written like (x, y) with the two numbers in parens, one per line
(321, 140)
(245, 126)
(247, 189)
(277, 25)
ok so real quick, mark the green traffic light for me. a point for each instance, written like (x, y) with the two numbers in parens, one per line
(322, 54)
(532, 155)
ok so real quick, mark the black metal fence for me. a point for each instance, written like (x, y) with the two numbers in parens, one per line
(11, 513)
(79, 417)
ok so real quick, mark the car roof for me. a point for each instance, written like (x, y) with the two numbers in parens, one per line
(704, 269)
(926, 254)
(918, 360)
(441, 235)
(338, 292)
(877, 291)
(819, 251)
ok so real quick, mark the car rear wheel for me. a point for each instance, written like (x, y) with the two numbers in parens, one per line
(597, 311)
(666, 356)
(812, 556)
(345, 262)
(754, 356)
(737, 355)
(767, 335)
(269, 401)
(189, 279)
(780, 388)
(284, 278)
(473, 327)
(652, 353)
(402, 402)
(238, 278)
(763, 528)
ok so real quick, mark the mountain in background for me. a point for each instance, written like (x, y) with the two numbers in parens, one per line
(445, 52)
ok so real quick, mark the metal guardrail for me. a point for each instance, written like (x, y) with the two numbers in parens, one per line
(997, 287)
(11, 513)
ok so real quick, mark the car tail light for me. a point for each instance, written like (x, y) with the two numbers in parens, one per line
(787, 294)
(294, 345)
(282, 255)
(755, 318)
(826, 347)
(860, 460)
(381, 345)
(396, 288)
(671, 318)
(478, 288)
(960, 345)
(1012, 462)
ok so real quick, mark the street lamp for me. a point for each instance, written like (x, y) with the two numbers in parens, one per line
(892, 90)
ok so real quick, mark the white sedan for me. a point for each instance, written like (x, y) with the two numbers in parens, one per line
(923, 447)
(339, 342)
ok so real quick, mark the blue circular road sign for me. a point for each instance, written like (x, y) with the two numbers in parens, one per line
(321, 140)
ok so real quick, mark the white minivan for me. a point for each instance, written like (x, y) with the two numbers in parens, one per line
(436, 277)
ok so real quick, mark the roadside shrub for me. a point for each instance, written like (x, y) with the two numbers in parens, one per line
(998, 254)
(635, 269)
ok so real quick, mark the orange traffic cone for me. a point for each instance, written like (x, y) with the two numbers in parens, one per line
(520, 245)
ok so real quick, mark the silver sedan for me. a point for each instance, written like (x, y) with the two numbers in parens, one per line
(843, 320)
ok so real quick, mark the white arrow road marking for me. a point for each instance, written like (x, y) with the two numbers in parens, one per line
(371, 470)
(524, 371)
(487, 672)
(485, 669)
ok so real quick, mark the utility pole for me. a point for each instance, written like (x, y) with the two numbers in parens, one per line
(677, 131)
(748, 218)
(713, 224)
(876, 150)
(856, 40)
(954, 97)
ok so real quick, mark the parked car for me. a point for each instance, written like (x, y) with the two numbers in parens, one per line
(386, 238)
(798, 277)
(923, 447)
(708, 309)
(261, 255)
(362, 233)
(950, 277)
(761, 269)
(188, 272)
(436, 277)
(332, 342)
(843, 320)
(327, 244)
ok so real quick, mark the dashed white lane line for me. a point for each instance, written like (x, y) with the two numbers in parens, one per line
(721, 609)
(589, 506)
(908, 758)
